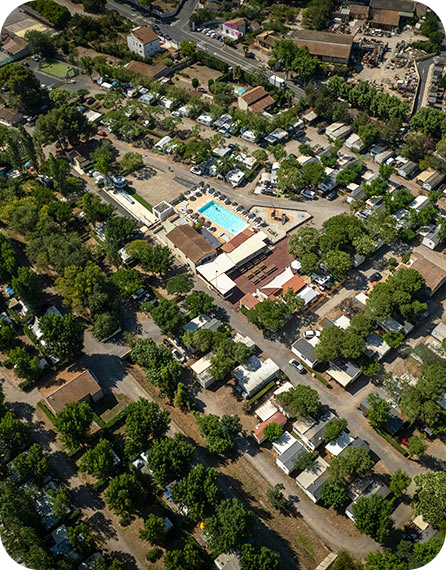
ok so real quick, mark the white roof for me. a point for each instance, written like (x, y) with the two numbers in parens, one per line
(285, 441)
(266, 410)
(280, 279)
(254, 373)
(307, 294)
(310, 475)
(196, 323)
(419, 202)
(284, 388)
(335, 447)
(202, 364)
(361, 297)
(163, 142)
(342, 322)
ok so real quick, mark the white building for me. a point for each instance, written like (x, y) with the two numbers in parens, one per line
(432, 239)
(287, 460)
(312, 479)
(143, 41)
(254, 374)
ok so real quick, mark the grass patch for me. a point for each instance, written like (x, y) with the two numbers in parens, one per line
(143, 202)
(59, 69)
(49, 414)
(306, 544)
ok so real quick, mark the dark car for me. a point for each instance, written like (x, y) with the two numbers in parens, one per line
(375, 277)
(332, 195)
(320, 130)
(250, 55)
(166, 342)
(90, 100)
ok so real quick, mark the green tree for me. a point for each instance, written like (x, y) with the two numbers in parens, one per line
(105, 324)
(197, 492)
(220, 432)
(7, 335)
(199, 303)
(41, 43)
(170, 457)
(168, 317)
(345, 561)
(430, 497)
(181, 397)
(58, 15)
(393, 338)
(269, 315)
(81, 539)
(131, 161)
(276, 498)
(99, 461)
(32, 465)
(272, 431)
(60, 501)
(378, 411)
(102, 157)
(261, 559)
(118, 230)
(300, 401)
(179, 285)
(373, 516)
(313, 173)
(189, 558)
(123, 495)
(399, 482)
(63, 336)
(22, 87)
(337, 262)
(230, 526)
(261, 156)
(153, 530)
(73, 423)
(416, 445)
(14, 436)
(334, 429)
(355, 462)
(305, 240)
(334, 495)
(127, 281)
(304, 461)
(144, 420)
(25, 365)
(94, 5)
(65, 125)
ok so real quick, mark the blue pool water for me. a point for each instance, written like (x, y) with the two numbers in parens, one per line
(223, 217)
(239, 90)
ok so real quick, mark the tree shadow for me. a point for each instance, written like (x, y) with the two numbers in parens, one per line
(102, 525)
(84, 497)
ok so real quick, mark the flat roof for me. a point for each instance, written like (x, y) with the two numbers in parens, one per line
(343, 441)
(254, 373)
(288, 457)
(285, 441)
(310, 475)
(266, 410)
(313, 430)
(202, 364)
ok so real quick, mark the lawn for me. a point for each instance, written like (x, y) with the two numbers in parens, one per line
(59, 69)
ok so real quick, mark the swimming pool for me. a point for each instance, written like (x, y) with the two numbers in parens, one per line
(223, 217)
(239, 90)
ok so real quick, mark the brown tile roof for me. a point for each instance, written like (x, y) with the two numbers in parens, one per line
(248, 301)
(73, 387)
(145, 34)
(296, 283)
(268, 38)
(434, 275)
(395, 5)
(236, 240)
(386, 17)
(9, 115)
(359, 9)
(145, 69)
(324, 44)
(235, 21)
(190, 242)
(262, 104)
(14, 45)
(257, 99)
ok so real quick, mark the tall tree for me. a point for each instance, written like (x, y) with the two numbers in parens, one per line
(144, 420)
(32, 465)
(230, 526)
(99, 461)
(63, 336)
(169, 458)
(258, 559)
(373, 516)
(74, 422)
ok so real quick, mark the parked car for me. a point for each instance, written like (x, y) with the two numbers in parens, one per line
(166, 342)
(178, 356)
(332, 195)
(311, 333)
(309, 194)
(375, 277)
(102, 133)
(90, 100)
(297, 365)
(250, 55)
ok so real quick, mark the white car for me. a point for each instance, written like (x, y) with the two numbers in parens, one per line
(178, 356)
(311, 333)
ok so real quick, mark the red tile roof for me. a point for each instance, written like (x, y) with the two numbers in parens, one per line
(277, 418)
(236, 240)
(145, 34)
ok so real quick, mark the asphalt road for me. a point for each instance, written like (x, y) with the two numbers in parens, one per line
(178, 30)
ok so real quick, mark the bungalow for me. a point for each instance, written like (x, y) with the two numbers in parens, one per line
(432, 239)
(235, 177)
(228, 561)
(249, 136)
(429, 179)
(330, 182)
(310, 117)
(384, 156)
(222, 151)
(205, 119)
(355, 143)
(258, 432)
(246, 160)
(336, 447)
(277, 136)
(79, 161)
(14, 46)
(395, 420)
(71, 386)
(285, 441)
(189, 246)
(402, 218)
(312, 431)
(266, 40)
(163, 144)
(202, 322)
(254, 374)
(10, 118)
(434, 275)
(234, 29)
(408, 169)
(343, 372)
(439, 332)
(201, 370)
(256, 100)
(312, 479)
(337, 131)
(287, 460)
(375, 488)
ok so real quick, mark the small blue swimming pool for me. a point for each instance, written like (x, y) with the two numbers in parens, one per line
(239, 90)
(223, 217)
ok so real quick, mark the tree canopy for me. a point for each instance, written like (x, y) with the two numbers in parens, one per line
(230, 526)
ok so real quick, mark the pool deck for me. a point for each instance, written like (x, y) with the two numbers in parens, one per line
(196, 202)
